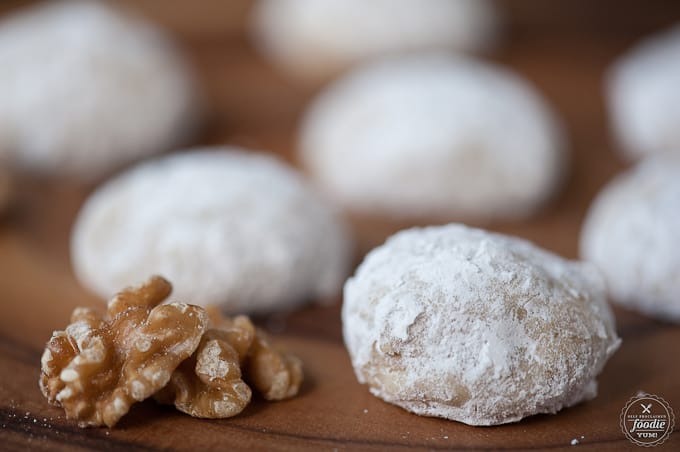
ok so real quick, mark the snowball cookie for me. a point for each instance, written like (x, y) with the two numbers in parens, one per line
(632, 232)
(85, 89)
(434, 135)
(476, 327)
(644, 98)
(225, 226)
(313, 40)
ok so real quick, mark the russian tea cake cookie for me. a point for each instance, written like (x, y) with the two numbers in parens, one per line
(85, 89)
(632, 232)
(434, 136)
(312, 40)
(644, 98)
(228, 227)
(476, 327)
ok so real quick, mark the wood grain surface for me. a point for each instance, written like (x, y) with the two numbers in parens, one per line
(563, 48)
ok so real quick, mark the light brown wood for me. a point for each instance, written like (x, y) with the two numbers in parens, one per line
(563, 49)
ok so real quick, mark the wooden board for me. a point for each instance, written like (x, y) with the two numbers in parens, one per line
(563, 50)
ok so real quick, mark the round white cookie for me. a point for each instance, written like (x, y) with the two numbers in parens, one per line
(312, 40)
(225, 226)
(86, 89)
(434, 135)
(632, 232)
(644, 98)
(476, 327)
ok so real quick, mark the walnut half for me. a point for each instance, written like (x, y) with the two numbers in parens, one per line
(100, 365)
(210, 384)
(275, 374)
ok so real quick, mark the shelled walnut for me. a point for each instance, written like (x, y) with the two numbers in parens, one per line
(181, 354)
(100, 365)
(210, 384)
(275, 374)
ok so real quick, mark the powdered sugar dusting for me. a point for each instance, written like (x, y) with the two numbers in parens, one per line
(313, 39)
(86, 88)
(434, 135)
(631, 233)
(476, 327)
(643, 96)
(227, 226)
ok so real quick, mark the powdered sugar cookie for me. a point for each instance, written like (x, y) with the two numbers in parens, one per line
(228, 227)
(434, 135)
(85, 89)
(632, 232)
(312, 40)
(476, 327)
(643, 95)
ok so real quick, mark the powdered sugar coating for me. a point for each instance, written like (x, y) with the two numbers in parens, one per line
(434, 135)
(85, 89)
(632, 232)
(312, 39)
(229, 227)
(643, 95)
(476, 327)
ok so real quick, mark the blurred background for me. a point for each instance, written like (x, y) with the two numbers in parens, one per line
(562, 47)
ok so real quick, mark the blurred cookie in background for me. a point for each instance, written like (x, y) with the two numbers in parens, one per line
(313, 40)
(229, 227)
(632, 232)
(86, 89)
(434, 136)
(643, 89)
